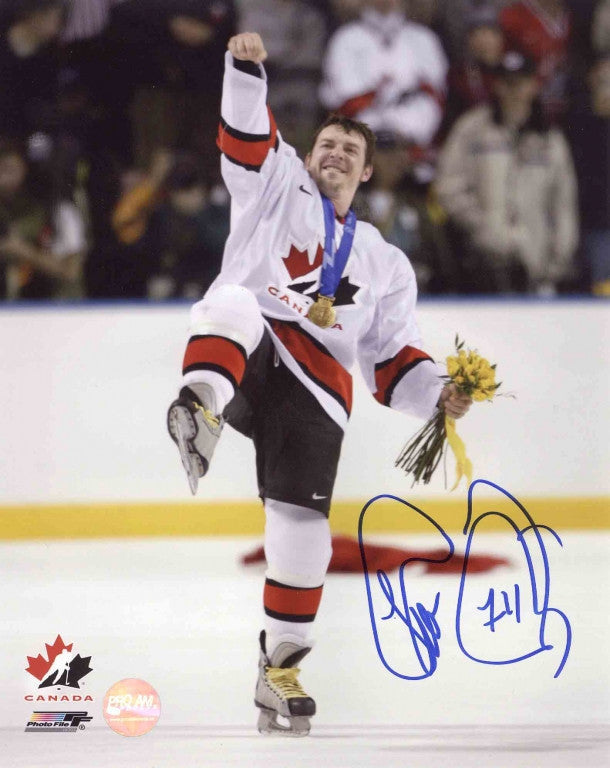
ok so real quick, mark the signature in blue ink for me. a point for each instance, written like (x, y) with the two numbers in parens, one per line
(537, 589)
(507, 609)
(423, 628)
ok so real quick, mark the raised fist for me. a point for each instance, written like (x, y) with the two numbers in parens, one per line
(248, 46)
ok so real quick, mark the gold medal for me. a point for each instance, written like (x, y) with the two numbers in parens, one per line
(322, 312)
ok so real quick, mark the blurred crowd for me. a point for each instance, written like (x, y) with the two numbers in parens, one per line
(492, 116)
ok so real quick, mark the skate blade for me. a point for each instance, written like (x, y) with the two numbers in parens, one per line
(190, 460)
(269, 726)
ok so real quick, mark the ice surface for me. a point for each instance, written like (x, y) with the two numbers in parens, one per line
(184, 615)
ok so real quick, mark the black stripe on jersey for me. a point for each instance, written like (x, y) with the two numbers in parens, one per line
(247, 166)
(249, 67)
(401, 372)
(335, 395)
(241, 136)
(311, 339)
(321, 348)
(242, 165)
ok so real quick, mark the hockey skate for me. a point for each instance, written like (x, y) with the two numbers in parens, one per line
(278, 692)
(194, 427)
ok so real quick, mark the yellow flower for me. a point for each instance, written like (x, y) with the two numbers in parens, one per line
(452, 366)
(472, 375)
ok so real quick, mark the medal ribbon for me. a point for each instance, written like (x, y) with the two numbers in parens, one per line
(334, 262)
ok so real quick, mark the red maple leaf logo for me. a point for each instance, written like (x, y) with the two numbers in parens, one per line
(298, 264)
(39, 666)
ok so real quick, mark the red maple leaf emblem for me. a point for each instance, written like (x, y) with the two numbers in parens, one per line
(298, 264)
(39, 666)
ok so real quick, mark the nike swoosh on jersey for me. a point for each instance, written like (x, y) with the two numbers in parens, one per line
(307, 192)
(315, 497)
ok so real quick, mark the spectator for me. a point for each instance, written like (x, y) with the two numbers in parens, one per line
(405, 214)
(590, 132)
(293, 63)
(453, 21)
(471, 79)
(28, 66)
(175, 227)
(387, 72)
(42, 247)
(507, 183)
(540, 29)
(172, 54)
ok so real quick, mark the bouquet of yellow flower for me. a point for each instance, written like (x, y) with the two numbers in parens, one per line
(472, 375)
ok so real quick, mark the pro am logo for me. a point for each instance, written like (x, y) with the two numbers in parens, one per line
(61, 666)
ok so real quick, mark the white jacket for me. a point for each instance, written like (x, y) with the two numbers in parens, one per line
(513, 194)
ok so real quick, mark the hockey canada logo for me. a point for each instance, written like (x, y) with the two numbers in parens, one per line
(61, 667)
(298, 266)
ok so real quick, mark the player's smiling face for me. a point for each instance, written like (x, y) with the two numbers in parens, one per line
(337, 161)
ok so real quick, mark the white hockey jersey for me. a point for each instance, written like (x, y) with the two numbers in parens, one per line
(388, 72)
(275, 250)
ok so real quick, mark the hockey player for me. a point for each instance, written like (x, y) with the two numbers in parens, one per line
(304, 291)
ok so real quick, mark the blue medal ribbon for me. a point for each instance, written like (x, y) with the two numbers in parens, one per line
(334, 262)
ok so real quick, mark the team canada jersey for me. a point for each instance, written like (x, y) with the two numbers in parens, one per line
(275, 249)
(388, 72)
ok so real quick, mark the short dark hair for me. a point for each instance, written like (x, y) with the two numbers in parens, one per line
(351, 126)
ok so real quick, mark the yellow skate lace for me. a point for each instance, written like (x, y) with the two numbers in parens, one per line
(208, 415)
(285, 681)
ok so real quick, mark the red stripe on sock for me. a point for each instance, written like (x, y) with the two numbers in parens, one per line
(291, 601)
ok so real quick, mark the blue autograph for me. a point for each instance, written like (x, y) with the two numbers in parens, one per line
(540, 587)
(424, 630)
(520, 610)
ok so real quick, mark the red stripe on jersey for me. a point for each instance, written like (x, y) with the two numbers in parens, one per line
(215, 353)
(436, 94)
(390, 372)
(298, 604)
(356, 104)
(316, 361)
(246, 149)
